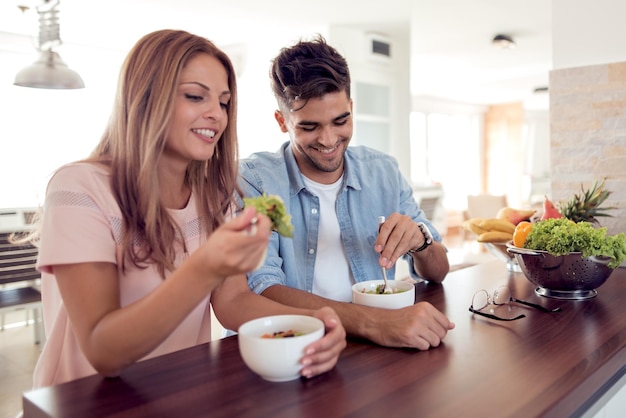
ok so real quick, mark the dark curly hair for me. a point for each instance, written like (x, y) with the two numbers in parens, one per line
(306, 70)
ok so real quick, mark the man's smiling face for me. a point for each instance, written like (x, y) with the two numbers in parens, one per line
(320, 132)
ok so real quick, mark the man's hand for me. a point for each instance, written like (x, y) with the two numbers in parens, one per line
(419, 326)
(396, 237)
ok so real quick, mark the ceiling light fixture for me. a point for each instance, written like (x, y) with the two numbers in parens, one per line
(503, 42)
(49, 71)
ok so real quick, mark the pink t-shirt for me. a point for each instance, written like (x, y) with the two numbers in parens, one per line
(82, 223)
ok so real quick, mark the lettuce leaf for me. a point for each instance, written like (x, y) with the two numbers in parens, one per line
(274, 208)
(562, 236)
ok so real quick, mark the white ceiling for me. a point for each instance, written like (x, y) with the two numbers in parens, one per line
(452, 56)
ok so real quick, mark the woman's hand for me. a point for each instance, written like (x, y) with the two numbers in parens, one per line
(322, 355)
(236, 247)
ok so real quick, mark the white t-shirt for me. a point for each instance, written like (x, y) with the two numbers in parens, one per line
(332, 278)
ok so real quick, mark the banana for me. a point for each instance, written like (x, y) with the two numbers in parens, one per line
(490, 229)
(472, 225)
(493, 224)
(495, 236)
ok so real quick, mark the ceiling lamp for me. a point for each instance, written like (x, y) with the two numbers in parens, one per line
(503, 42)
(49, 71)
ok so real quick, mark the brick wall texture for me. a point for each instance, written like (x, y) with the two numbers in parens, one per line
(588, 134)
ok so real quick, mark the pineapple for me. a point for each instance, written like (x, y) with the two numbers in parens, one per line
(586, 206)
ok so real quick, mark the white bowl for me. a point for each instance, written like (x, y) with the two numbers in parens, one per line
(363, 293)
(277, 359)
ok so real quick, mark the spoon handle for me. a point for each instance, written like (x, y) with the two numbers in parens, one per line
(384, 278)
(381, 220)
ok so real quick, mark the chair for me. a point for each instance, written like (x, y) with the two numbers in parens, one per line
(485, 205)
(19, 280)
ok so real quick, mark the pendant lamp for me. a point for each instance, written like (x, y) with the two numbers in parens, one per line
(49, 71)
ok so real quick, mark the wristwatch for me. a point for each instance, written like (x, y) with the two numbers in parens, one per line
(428, 238)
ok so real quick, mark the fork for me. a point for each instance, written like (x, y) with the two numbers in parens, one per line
(381, 221)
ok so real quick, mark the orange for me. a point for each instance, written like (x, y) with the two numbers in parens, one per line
(521, 232)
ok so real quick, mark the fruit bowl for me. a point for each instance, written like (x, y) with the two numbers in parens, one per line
(569, 276)
(499, 250)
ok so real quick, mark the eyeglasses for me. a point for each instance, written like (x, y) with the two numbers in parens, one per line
(501, 296)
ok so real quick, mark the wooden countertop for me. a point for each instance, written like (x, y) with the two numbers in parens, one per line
(547, 364)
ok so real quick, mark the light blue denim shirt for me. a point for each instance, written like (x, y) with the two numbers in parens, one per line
(372, 186)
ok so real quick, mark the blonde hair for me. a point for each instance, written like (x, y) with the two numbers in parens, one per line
(134, 139)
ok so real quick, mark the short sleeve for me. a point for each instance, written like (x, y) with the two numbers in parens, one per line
(79, 216)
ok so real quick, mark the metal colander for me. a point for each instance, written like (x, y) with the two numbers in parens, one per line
(566, 276)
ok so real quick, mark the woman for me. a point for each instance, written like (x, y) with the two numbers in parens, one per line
(139, 239)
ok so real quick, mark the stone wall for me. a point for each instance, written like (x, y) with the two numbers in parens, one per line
(588, 134)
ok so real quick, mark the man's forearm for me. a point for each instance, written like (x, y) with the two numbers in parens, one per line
(356, 319)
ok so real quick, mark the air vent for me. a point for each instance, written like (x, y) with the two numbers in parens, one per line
(378, 47)
(381, 48)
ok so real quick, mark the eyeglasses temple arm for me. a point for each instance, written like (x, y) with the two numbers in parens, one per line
(532, 305)
(474, 311)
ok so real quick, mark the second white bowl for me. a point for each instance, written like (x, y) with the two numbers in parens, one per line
(364, 293)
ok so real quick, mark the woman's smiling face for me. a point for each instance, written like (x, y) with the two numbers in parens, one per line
(320, 133)
(200, 110)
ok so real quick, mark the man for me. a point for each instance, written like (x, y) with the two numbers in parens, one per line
(335, 196)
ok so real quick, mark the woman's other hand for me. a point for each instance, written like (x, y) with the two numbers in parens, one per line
(322, 355)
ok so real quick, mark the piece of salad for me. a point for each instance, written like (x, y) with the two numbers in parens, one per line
(382, 290)
(284, 334)
(560, 236)
(273, 207)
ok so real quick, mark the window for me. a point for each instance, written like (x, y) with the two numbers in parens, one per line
(372, 123)
(445, 149)
(44, 129)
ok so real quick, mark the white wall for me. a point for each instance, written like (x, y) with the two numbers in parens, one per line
(587, 32)
(392, 73)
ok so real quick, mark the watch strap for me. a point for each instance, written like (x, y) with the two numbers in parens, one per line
(428, 238)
